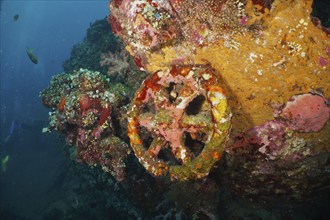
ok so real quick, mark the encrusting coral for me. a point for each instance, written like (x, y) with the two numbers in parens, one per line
(187, 115)
(83, 104)
(268, 53)
(236, 98)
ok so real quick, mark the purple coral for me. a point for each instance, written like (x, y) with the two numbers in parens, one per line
(322, 61)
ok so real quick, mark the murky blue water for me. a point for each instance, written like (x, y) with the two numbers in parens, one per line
(50, 28)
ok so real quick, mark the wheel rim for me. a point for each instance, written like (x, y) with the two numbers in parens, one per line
(179, 121)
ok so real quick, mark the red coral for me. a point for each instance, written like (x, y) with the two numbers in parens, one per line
(84, 102)
(115, 25)
(62, 104)
(83, 116)
(138, 62)
(263, 3)
(104, 115)
(117, 3)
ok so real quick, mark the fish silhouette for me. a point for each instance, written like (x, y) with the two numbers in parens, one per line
(32, 56)
(15, 18)
(14, 126)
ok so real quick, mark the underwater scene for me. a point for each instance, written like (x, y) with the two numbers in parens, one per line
(165, 110)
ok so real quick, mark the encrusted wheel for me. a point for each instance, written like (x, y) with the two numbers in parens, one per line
(179, 122)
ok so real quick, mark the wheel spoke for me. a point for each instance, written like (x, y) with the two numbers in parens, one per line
(156, 145)
(148, 121)
(182, 154)
(201, 120)
(180, 112)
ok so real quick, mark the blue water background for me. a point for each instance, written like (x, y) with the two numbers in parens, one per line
(50, 28)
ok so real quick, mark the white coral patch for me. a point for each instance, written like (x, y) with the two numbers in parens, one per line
(223, 120)
(160, 74)
(190, 74)
(183, 153)
(216, 97)
(183, 103)
(252, 57)
(206, 76)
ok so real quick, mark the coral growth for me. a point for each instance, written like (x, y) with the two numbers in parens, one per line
(82, 106)
(306, 112)
(273, 155)
(148, 24)
(121, 68)
(266, 59)
(100, 39)
(186, 113)
(267, 53)
(117, 64)
(269, 160)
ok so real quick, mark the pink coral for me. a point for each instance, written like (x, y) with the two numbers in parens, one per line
(150, 24)
(306, 112)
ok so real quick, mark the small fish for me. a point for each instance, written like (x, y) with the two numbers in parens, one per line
(15, 18)
(14, 126)
(4, 163)
(32, 56)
